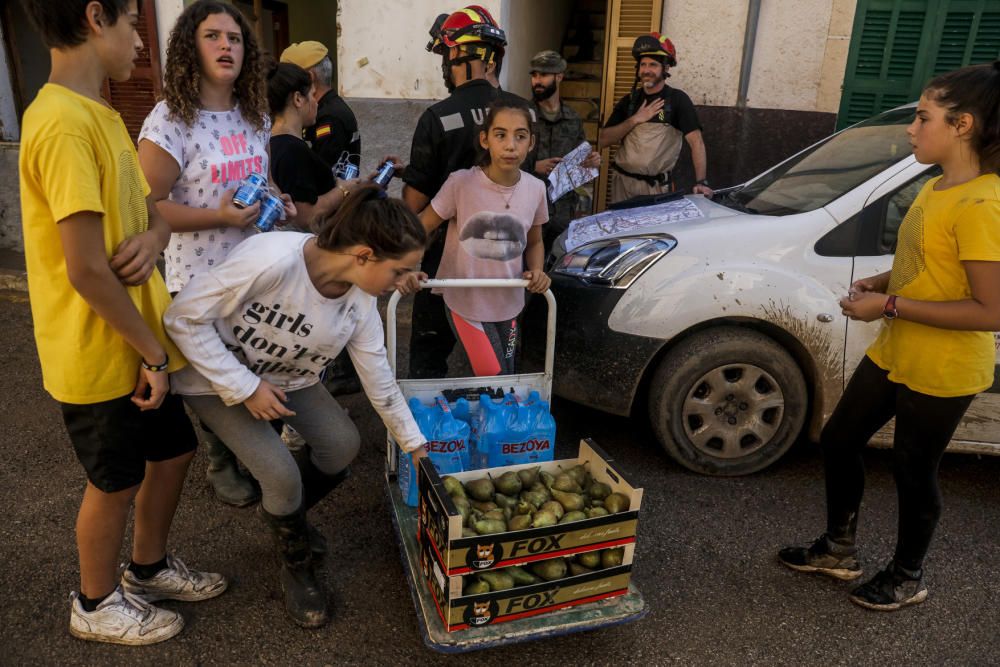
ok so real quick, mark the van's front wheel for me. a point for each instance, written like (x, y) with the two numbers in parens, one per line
(727, 401)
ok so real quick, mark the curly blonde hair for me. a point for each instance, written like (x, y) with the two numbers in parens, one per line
(182, 77)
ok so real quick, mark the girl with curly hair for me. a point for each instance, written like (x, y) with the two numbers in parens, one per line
(208, 133)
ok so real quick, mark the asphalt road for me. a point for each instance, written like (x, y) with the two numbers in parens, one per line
(705, 560)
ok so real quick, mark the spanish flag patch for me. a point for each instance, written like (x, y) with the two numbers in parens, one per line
(322, 130)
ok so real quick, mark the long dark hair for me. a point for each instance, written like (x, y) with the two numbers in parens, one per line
(284, 79)
(483, 158)
(974, 90)
(182, 75)
(367, 217)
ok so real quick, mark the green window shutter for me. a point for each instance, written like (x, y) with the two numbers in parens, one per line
(898, 45)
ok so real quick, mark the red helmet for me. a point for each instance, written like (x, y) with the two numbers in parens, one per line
(471, 25)
(654, 45)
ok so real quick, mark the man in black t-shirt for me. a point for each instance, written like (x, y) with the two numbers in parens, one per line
(445, 141)
(650, 123)
(336, 127)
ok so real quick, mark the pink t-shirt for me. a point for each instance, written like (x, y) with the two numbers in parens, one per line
(487, 239)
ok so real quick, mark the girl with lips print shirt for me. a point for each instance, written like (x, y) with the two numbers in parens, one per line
(495, 212)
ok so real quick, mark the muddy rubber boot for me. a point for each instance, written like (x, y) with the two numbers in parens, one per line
(223, 473)
(316, 485)
(305, 599)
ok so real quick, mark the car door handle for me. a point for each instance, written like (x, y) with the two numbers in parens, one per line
(825, 317)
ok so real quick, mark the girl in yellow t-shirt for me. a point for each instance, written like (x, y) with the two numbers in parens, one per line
(935, 351)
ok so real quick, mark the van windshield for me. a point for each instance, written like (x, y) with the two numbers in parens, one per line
(817, 176)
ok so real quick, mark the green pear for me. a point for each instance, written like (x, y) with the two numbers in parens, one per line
(616, 502)
(524, 507)
(484, 506)
(595, 512)
(591, 559)
(576, 569)
(594, 502)
(521, 576)
(543, 518)
(495, 515)
(452, 486)
(575, 515)
(519, 522)
(504, 501)
(476, 587)
(508, 483)
(554, 507)
(542, 489)
(546, 478)
(550, 570)
(499, 580)
(463, 506)
(599, 490)
(474, 516)
(468, 532)
(481, 489)
(534, 497)
(490, 526)
(563, 482)
(528, 476)
(612, 557)
(569, 501)
(578, 473)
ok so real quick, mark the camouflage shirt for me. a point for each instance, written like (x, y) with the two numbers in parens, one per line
(555, 139)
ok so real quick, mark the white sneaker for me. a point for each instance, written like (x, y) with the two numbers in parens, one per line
(175, 582)
(122, 618)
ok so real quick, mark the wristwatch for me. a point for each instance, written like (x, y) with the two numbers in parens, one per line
(704, 182)
(889, 312)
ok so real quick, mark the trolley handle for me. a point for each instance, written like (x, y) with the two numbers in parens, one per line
(550, 327)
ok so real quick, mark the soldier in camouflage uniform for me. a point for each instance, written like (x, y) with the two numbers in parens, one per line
(560, 130)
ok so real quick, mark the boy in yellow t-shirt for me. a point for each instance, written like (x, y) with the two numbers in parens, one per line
(91, 241)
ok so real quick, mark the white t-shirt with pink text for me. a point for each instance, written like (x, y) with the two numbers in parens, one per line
(215, 153)
(487, 235)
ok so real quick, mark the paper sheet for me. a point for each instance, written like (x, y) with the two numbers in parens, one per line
(615, 222)
(570, 173)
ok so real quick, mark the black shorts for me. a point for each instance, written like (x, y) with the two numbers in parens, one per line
(114, 439)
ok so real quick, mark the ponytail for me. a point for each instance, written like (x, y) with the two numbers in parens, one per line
(368, 218)
(974, 90)
(283, 80)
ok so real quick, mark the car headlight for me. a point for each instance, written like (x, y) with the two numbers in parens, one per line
(616, 262)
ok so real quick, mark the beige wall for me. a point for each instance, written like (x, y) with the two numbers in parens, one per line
(799, 57)
(381, 48)
(708, 36)
(167, 12)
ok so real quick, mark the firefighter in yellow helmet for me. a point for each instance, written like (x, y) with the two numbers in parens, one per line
(651, 123)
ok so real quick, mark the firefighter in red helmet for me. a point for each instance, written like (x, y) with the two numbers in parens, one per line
(470, 43)
(651, 123)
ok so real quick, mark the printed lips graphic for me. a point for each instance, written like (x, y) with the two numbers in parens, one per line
(489, 235)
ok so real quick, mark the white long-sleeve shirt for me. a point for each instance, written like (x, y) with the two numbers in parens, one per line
(258, 315)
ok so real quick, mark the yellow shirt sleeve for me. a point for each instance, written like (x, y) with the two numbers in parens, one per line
(977, 231)
(65, 167)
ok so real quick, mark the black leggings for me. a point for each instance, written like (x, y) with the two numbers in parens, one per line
(924, 426)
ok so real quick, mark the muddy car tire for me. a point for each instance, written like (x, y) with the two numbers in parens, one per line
(727, 401)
